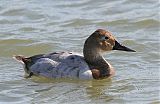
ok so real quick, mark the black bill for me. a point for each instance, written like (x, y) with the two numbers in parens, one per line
(120, 47)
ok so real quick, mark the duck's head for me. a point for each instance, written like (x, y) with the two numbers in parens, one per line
(102, 41)
(98, 42)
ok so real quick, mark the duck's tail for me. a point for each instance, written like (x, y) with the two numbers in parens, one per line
(24, 61)
(19, 58)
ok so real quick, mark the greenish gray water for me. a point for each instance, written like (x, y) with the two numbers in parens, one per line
(31, 27)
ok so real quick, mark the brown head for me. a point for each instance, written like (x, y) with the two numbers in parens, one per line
(102, 41)
(98, 42)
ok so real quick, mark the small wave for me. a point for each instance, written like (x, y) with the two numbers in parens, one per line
(147, 22)
(14, 41)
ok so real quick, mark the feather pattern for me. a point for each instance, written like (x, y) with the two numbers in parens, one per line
(57, 65)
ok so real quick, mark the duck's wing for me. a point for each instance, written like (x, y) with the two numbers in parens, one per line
(57, 65)
(29, 61)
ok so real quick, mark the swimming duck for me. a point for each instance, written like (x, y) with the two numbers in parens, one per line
(73, 65)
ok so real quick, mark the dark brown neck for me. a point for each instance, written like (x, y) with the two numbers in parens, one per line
(96, 61)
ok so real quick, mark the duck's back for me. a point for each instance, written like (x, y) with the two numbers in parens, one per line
(58, 65)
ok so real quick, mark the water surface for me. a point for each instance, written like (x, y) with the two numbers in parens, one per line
(36, 26)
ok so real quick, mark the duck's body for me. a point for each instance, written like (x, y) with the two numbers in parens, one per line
(73, 65)
(57, 65)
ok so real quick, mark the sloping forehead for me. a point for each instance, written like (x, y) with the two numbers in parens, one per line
(102, 32)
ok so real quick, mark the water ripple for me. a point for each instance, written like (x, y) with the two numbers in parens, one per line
(31, 27)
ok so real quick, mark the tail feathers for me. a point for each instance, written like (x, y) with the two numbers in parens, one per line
(19, 58)
(24, 61)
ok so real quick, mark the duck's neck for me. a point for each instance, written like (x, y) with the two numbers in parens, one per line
(96, 61)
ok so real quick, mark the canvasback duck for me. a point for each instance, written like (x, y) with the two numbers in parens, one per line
(73, 65)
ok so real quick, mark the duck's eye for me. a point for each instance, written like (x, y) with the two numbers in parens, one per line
(104, 38)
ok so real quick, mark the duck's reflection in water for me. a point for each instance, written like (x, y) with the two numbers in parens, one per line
(91, 90)
(98, 91)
